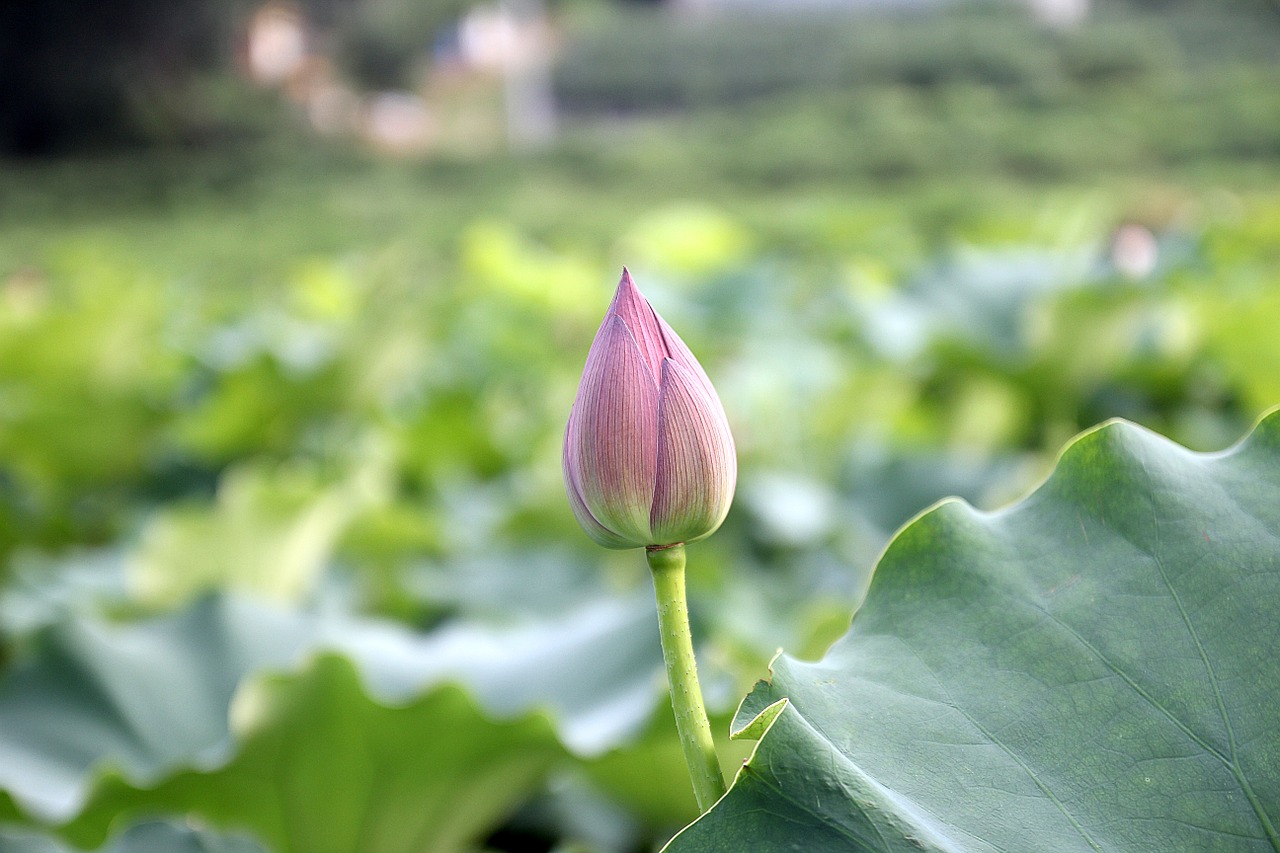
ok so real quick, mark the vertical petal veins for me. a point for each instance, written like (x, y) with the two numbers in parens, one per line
(601, 534)
(648, 457)
(696, 464)
(681, 355)
(612, 441)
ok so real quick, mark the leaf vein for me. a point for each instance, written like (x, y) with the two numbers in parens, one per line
(1137, 688)
(1232, 762)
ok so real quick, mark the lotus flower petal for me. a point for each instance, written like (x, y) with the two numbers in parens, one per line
(697, 468)
(680, 354)
(597, 531)
(613, 432)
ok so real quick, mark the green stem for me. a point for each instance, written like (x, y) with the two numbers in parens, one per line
(667, 564)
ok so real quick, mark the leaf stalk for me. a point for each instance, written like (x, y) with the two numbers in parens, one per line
(667, 564)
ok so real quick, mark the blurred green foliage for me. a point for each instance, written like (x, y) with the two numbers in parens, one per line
(290, 373)
(976, 89)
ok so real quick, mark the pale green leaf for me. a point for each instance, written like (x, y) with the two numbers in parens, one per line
(460, 723)
(148, 837)
(321, 767)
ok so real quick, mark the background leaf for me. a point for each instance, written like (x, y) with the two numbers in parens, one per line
(443, 733)
(1095, 668)
(323, 768)
(149, 837)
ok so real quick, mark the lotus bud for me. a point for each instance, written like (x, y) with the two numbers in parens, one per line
(648, 457)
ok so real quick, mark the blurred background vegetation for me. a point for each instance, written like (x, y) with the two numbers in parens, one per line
(294, 299)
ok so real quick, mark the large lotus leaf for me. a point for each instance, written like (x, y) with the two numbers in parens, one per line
(324, 768)
(150, 699)
(143, 698)
(41, 590)
(1095, 668)
(149, 837)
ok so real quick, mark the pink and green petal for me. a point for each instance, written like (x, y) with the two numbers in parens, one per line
(678, 352)
(640, 318)
(696, 465)
(597, 531)
(613, 432)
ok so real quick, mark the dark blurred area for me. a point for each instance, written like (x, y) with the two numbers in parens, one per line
(80, 75)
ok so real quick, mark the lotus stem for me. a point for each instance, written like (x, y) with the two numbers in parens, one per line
(667, 563)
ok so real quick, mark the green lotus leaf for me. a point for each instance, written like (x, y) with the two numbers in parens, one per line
(143, 699)
(321, 767)
(152, 717)
(1096, 668)
(148, 837)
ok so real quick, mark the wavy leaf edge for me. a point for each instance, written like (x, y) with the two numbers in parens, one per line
(752, 724)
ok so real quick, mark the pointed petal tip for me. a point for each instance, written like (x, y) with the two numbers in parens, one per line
(627, 283)
(629, 302)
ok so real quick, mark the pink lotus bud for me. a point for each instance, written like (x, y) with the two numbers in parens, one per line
(648, 457)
